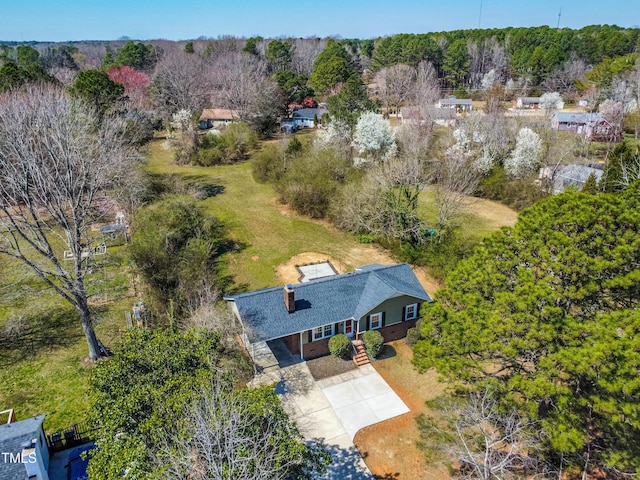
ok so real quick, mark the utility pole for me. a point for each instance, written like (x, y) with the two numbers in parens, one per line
(480, 16)
(559, 15)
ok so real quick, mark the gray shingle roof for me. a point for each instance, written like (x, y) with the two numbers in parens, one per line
(577, 117)
(455, 101)
(12, 437)
(308, 113)
(324, 301)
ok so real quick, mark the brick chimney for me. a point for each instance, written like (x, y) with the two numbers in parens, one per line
(289, 298)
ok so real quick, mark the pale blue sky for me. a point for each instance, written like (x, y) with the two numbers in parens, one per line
(62, 20)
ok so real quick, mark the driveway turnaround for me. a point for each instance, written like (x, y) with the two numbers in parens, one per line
(334, 409)
(361, 398)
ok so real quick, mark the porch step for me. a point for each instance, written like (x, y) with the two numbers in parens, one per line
(361, 357)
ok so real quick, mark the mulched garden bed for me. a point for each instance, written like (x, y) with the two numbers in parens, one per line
(328, 366)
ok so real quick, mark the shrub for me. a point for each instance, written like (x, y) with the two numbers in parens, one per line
(373, 342)
(366, 238)
(419, 324)
(413, 335)
(267, 165)
(339, 345)
(233, 145)
(311, 182)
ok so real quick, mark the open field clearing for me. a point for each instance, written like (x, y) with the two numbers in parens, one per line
(274, 236)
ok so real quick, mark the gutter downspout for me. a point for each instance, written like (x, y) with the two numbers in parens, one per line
(301, 350)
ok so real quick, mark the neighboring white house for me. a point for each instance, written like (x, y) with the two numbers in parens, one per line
(307, 117)
(457, 104)
(528, 103)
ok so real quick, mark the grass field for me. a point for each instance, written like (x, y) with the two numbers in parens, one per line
(44, 366)
(272, 234)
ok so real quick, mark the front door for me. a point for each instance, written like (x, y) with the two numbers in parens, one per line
(348, 328)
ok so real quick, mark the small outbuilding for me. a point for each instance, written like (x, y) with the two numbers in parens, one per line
(23, 446)
(562, 177)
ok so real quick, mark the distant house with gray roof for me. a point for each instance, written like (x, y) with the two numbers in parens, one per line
(527, 102)
(457, 104)
(562, 177)
(374, 297)
(573, 121)
(23, 446)
(593, 126)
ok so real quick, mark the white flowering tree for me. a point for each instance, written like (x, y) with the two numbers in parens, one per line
(484, 139)
(182, 136)
(488, 79)
(337, 136)
(525, 158)
(550, 102)
(373, 139)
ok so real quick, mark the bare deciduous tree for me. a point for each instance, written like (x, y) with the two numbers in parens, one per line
(613, 112)
(56, 160)
(427, 90)
(241, 83)
(456, 178)
(563, 80)
(232, 437)
(487, 442)
(181, 81)
(396, 85)
(305, 53)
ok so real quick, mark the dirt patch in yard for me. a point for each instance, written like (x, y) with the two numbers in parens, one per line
(329, 366)
(354, 257)
(389, 448)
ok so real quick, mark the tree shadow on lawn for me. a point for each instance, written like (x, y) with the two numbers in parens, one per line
(202, 185)
(30, 334)
(199, 187)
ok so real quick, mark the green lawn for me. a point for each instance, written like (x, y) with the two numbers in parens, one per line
(272, 234)
(255, 219)
(45, 371)
(477, 220)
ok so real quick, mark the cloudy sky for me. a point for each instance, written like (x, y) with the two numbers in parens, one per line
(63, 20)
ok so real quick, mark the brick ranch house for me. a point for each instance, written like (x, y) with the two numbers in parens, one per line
(373, 297)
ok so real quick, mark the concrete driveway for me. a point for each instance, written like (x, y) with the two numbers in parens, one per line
(361, 398)
(334, 409)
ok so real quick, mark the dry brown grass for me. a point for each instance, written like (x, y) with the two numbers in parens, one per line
(390, 447)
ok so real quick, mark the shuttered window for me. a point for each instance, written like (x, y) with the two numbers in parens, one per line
(375, 321)
(411, 311)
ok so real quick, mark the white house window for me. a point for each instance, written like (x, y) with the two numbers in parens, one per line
(411, 311)
(322, 332)
(375, 320)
